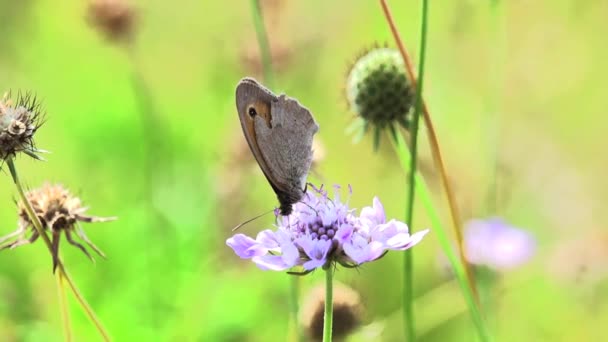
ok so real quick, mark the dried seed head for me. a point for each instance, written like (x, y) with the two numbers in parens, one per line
(348, 312)
(19, 121)
(58, 211)
(113, 18)
(379, 91)
(56, 208)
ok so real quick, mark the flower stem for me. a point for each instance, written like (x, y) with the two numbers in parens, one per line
(436, 152)
(62, 270)
(260, 30)
(63, 305)
(444, 241)
(294, 294)
(266, 56)
(155, 160)
(491, 119)
(408, 274)
(83, 303)
(329, 305)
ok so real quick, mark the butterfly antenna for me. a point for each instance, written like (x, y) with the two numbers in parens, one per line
(251, 219)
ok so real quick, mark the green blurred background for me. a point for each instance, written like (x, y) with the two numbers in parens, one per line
(521, 84)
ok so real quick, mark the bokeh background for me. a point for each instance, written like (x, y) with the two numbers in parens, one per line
(518, 84)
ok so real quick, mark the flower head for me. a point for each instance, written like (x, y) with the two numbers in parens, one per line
(379, 91)
(113, 18)
(497, 245)
(347, 312)
(58, 211)
(19, 121)
(321, 231)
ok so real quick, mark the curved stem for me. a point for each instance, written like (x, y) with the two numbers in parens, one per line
(62, 270)
(438, 160)
(63, 305)
(329, 305)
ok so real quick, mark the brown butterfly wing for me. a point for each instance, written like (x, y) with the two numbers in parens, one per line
(249, 92)
(287, 145)
(282, 144)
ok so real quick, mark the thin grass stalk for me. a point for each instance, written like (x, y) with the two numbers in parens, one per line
(442, 235)
(268, 74)
(262, 38)
(491, 118)
(408, 273)
(329, 304)
(436, 152)
(155, 158)
(62, 270)
(294, 308)
(63, 306)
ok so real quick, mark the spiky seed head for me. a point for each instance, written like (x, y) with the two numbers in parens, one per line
(379, 91)
(58, 212)
(19, 120)
(115, 19)
(55, 207)
(347, 312)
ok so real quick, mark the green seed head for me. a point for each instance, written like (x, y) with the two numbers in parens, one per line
(378, 89)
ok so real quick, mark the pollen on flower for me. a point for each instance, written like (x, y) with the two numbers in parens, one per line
(58, 212)
(19, 121)
(322, 231)
(347, 312)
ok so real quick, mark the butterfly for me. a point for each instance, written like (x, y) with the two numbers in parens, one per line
(279, 131)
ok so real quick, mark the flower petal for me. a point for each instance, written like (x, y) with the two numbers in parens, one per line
(245, 247)
(316, 250)
(403, 241)
(271, 262)
(361, 253)
(374, 214)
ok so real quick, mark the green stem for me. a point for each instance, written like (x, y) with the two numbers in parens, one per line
(329, 304)
(408, 274)
(155, 161)
(446, 245)
(62, 270)
(491, 119)
(436, 152)
(294, 295)
(63, 306)
(264, 46)
(262, 37)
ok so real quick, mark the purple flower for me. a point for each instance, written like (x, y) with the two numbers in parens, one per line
(321, 231)
(497, 245)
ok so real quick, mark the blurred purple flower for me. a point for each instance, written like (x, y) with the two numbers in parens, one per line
(495, 244)
(321, 231)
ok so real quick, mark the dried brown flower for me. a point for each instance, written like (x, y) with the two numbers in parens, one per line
(19, 121)
(113, 18)
(58, 211)
(348, 312)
